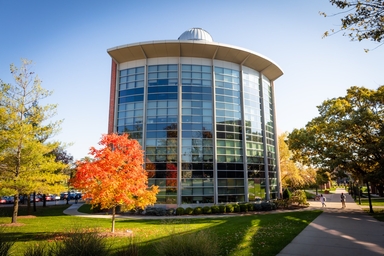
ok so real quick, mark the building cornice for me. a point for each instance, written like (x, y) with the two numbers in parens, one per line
(196, 49)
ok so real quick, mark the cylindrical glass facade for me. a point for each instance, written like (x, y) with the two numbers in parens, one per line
(207, 129)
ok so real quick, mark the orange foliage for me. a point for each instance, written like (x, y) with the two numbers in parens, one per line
(116, 175)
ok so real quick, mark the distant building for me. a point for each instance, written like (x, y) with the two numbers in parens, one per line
(204, 113)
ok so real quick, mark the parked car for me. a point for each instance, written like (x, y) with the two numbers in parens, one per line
(63, 196)
(10, 199)
(3, 200)
(55, 197)
(37, 198)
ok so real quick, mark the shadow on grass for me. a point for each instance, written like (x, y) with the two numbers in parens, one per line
(264, 234)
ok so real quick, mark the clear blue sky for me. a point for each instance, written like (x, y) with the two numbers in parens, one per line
(68, 42)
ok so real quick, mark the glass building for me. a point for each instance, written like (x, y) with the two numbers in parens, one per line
(204, 113)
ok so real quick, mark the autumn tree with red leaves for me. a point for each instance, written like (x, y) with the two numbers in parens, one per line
(115, 177)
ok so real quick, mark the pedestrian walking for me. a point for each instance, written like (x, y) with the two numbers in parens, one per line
(322, 200)
(343, 199)
(77, 197)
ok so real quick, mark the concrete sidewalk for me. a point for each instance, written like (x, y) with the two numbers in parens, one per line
(338, 231)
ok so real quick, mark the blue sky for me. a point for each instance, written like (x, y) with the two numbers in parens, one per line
(68, 42)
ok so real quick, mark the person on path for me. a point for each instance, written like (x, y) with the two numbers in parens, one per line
(322, 200)
(343, 198)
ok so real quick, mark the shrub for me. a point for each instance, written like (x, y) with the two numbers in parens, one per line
(200, 243)
(179, 211)
(188, 211)
(266, 206)
(5, 245)
(81, 242)
(229, 208)
(236, 208)
(250, 207)
(243, 208)
(222, 209)
(170, 211)
(157, 211)
(207, 210)
(287, 194)
(281, 203)
(300, 197)
(215, 209)
(198, 210)
(257, 207)
(34, 250)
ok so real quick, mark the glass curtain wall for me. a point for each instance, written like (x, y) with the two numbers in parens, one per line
(254, 136)
(130, 102)
(197, 142)
(162, 131)
(195, 132)
(270, 141)
(230, 167)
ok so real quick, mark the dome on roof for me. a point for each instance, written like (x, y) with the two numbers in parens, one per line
(196, 34)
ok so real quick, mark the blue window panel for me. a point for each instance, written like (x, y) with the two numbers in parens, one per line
(123, 72)
(187, 119)
(196, 89)
(219, 98)
(187, 96)
(161, 134)
(197, 119)
(206, 97)
(151, 127)
(187, 89)
(187, 134)
(196, 104)
(197, 127)
(206, 90)
(197, 97)
(151, 135)
(152, 97)
(187, 126)
(197, 111)
(196, 82)
(208, 127)
(172, 89)
(161, 126)
(172, 119)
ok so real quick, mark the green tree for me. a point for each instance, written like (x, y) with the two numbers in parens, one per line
(362, 20)
(27, 164)
(348, 134)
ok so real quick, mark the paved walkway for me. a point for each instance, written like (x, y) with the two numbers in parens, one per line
(336, 231)
(339, 231)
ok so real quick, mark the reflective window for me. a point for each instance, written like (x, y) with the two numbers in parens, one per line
(130, 102)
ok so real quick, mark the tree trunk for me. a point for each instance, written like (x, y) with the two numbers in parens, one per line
(113, 218)
(15, 208)
(29, 204)
(369, 199)
(44, 201)
(34, 201)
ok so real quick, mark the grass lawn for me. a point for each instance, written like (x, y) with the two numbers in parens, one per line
(378, 214)
(375, 201)
(258, 234)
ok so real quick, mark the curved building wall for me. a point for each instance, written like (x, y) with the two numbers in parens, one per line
(207, 128)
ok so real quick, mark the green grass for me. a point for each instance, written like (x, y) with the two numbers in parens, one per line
(261, 234)
(375, 201)
(378, 214)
